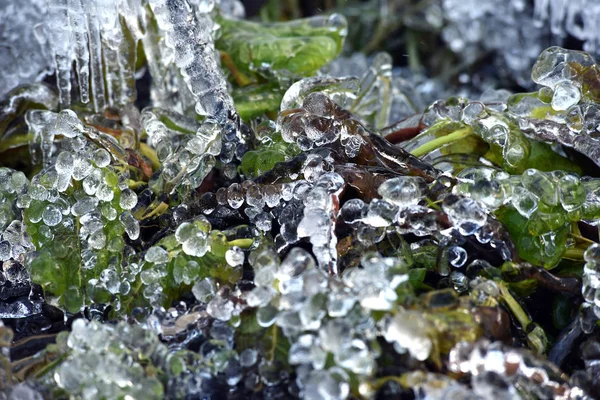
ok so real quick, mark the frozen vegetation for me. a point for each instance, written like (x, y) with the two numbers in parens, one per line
(196, 204)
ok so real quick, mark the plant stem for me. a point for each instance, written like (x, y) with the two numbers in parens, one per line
(441, 141)
(162, 207)
(274, 333)
(132, 296)
(580, 238)
(150, 154)
(240, 78)
(433, 204)
(243, 243)
(574, 253)
(513, 305)
(134, 185)
(536, 338)
(49, 367)
(412, 48)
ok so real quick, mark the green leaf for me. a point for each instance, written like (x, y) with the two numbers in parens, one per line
(300, 47)
(543, 158)
(264, 156)
(532, 248)
(255, 100)
(416, 276)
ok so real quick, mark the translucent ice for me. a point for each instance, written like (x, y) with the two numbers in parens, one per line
(565, 96)
(220, 308)
(409, 330)
(467, 215)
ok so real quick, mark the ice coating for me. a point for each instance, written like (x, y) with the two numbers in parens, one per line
(590, 284)
(101, 38)
(485, 362)
(303, 312)
(469, 29)
(575, 18)
(19, 41)
(88, 362)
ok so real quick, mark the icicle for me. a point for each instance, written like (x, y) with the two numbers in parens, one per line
(95, 50)
(78, 20)
(39, 122)
(60, 31)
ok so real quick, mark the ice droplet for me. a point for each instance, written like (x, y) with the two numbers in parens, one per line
(540, 184)
(51, 215)
(67, 124)
(409, 330)
(64, 163)
(266, 316)
(131, 225)
(105, 192)
(185, 231)
(248, 358)
(101, 158)
(260, 296)
(156, 255)
(128, 199)
(84, 206)
(203, 290)
(234, 256)
(457, 256)
(5, 250)
(467, 215)
(402, 191)
(220, 308)
(196, 246)
(380, 213)
(235, 195)
(524, 201)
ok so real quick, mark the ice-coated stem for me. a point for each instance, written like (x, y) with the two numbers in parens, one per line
(550, 131)
(189, 35)
(441, 141)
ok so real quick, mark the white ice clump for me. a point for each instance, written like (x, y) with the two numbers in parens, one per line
(467, 215)
(188, 163)
(409, 331)
(101, 38)
(318, 221)
(497, 369)
(590, 288)
(565, 96)
(402, 191)
(323, 314)
(93, 363)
